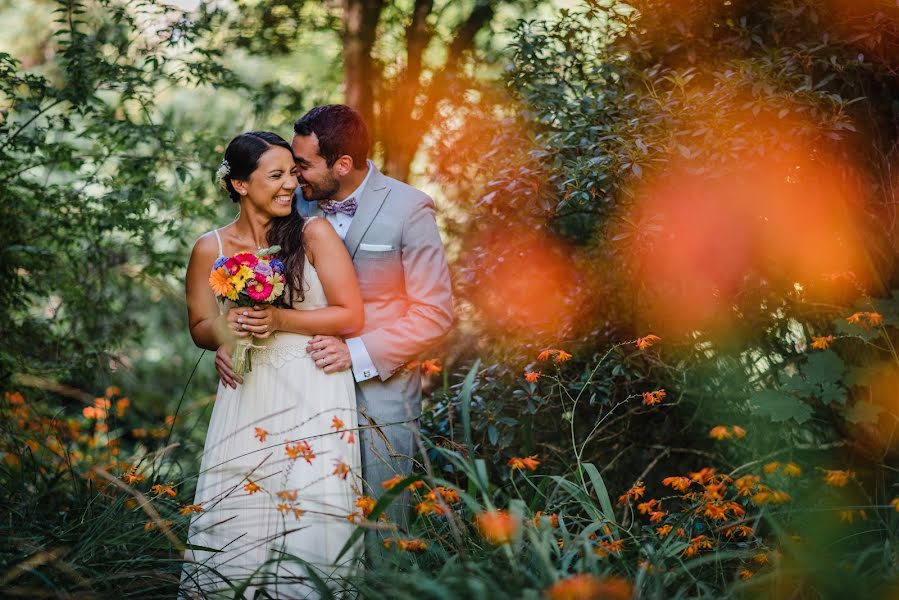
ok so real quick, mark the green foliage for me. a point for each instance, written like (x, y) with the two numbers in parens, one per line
(97, 182)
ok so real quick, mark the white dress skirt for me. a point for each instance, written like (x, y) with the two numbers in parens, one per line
(275, 508)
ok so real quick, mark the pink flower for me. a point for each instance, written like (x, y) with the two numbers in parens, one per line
(259, 290)
(232, 265)
(247, 258)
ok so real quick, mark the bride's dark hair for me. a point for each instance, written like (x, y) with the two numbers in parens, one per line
(241, 159)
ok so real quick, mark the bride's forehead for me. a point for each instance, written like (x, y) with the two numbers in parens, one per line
(275, 157)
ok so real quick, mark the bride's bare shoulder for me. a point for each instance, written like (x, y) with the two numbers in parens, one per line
(206, 246)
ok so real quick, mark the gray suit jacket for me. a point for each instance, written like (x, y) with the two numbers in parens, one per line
(406, 290)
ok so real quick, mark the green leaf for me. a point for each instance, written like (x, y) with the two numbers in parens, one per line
(780, 407)
(830, 393)
(863, 412)
(823, 367)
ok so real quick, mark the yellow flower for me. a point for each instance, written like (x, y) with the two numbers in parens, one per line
(645, 342)
(239, 280)
(836, 478)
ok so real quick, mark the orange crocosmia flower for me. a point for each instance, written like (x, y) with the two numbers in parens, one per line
(283, 508)
(121, 405)
(160, 489)
(589, 587)
(865, 319)
(771, 467)
(301, 449)
(412, 365)
(431, 366)
(220, 282)
(341, 469)
(716, 512)
(837, 478)
(497, 526)
(645, 342)
(151, 525)
(822, 343)
(251, 487)
(392, 482)
(336, 424)
(413, 545)
(703, 475)
(288, 495)
(113, 391)
(131, 477)
(609, 547)
(664, 530)
(895, 503)
(720, 432)
(738, 530)
(739, 432)
(653, 398)
(645, 508)
(261, 434)
(746, 573)
(677, 483)
(530, 463)
(792, 470)
(14, 398)
(553, 519)
(559, 355)
(657, 516)
(190, 508)
(366, 504)
(760, 558)
(430, 507)
(532, 376)
(448, 495)
(875, 319)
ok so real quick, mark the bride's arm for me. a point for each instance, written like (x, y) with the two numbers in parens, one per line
(343, 315)
(207, 327)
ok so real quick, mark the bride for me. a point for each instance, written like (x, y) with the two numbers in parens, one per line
(280, 469)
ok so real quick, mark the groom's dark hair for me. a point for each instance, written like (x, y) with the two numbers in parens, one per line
(340, 130)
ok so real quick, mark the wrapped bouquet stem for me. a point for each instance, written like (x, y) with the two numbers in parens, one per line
(248, 279)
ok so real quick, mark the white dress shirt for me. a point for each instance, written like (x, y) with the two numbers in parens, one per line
(363, 367)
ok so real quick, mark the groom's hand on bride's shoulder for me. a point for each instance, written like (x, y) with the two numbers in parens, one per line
(330, 354)
(224, 367)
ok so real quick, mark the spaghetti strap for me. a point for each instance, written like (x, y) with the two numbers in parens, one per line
(219, 239)
(309, 219)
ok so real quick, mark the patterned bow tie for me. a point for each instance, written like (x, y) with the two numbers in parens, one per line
(347, 207)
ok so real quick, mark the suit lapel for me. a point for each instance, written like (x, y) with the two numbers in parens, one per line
(373, 196)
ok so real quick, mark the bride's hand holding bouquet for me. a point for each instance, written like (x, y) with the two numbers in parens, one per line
(252, 281)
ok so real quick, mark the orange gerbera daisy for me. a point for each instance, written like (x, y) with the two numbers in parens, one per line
(220, 282)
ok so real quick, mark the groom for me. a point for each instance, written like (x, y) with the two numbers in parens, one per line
(388, 228)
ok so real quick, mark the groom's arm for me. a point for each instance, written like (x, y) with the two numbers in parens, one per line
(428, 293)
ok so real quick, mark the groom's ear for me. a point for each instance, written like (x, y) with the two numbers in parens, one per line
(344, 165)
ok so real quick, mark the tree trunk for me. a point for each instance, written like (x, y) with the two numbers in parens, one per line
(360, 23)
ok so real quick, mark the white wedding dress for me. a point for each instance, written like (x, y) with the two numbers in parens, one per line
(300, 508)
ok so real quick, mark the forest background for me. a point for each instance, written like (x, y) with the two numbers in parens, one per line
(672, 228)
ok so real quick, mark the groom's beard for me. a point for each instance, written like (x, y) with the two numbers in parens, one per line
(323, 191)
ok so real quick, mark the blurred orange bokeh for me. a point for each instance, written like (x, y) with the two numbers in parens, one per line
(789, 221)
(531, 287)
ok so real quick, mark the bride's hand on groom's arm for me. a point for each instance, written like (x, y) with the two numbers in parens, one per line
(224, 367)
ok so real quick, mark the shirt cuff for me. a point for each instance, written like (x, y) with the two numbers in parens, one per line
(363, 367)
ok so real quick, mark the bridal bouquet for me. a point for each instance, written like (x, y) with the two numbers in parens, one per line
(248, 279)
